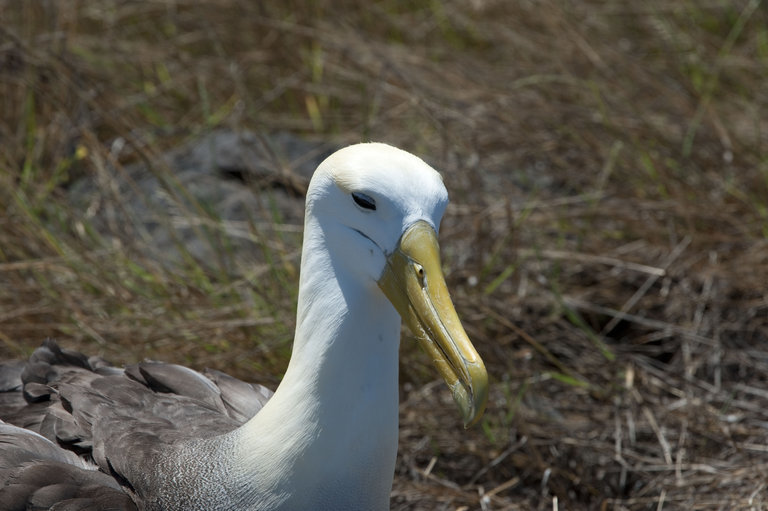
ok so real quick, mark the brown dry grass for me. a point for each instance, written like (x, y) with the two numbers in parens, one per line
(607, 241)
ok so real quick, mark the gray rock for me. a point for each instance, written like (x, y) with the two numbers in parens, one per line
(223, 200)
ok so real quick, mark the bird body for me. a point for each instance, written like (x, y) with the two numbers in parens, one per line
(163, 437)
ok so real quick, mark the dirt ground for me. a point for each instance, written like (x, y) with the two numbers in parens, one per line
(606, 245)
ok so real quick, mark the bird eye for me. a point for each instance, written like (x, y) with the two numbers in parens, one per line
(364, 201)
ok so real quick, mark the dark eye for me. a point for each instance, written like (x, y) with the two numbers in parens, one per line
(364, 201)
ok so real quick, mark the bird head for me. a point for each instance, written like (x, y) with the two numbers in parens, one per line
(385, 206)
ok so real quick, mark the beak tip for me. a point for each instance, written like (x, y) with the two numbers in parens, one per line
(473, 398)
(472, 417)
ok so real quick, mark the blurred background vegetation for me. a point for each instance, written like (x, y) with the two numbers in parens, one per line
(606, 245)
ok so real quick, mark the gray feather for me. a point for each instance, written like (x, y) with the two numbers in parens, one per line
(93, 429)
(243, 400)
(10, 375)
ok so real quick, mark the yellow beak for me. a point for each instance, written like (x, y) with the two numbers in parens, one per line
(414, 283)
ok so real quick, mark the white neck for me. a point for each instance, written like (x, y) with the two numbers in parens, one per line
(328, 437)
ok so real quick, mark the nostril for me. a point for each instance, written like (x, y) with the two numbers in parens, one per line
(420, 273)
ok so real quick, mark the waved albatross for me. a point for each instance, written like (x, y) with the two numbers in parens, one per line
(82, 434)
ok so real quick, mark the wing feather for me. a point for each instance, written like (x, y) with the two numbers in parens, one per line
(81, 433)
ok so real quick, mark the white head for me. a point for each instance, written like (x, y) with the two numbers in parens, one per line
(366, 195)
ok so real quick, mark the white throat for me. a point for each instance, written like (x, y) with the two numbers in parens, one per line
(329, 434)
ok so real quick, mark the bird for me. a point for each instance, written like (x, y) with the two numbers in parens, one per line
(80, 433)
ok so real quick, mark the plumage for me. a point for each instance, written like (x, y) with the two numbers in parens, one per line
(82, 434)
